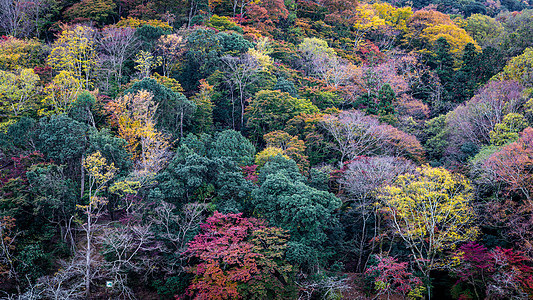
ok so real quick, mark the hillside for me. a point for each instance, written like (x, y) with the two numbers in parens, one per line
(266, 149)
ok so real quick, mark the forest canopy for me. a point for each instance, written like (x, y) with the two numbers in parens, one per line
(266, 149)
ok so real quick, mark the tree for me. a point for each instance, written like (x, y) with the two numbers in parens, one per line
(240, 258)
(232, 145)
(431, 211)
(261, 158)
(241, 71)
(398, 143)
(99, 173)
(319, 60)
(362, 178)
(17, 89)
(61, 139)
(203, 116)
(484, 29)
(442, 62)
(8, 237)
(305, 212)
(366, 20)
(61, 93)
(425, 27)
(354, 133)
(116, 45)
(208, 169)
(145, 62)
(16, 54)
(99, 11)
(371, 78)
(498, 273)
(21, 19)
(511, 165)
(170, 47)
(204, 49)
(508, 130)
(474, 120)
(270, 110)
(172, 107)
(291, 146)
(82, 108)
(392, 278)
(314, 53)
(74, 52)
(267, 12)
(520, 69)
(134, 115)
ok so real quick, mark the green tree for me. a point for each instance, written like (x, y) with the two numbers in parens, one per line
(307, 213)
(271, 110)
(208, 169)
(507, 131)
(232, 145)
(442, 62)
(61, 139)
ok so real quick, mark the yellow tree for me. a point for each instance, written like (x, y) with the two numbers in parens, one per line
(264, 156)
(430, 211)
(520, 69)
(74, 51)
(134, 115)
(99, 173)
(145, 62)
(396, 17)
(60, 93)
(425, 27)
(16, 89)
(367, 20)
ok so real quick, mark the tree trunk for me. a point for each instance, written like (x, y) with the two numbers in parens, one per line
(82, 176)
(88, 254)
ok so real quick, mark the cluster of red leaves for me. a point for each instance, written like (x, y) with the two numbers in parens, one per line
(500, 272)
(18, 166)
(392, 276)
(250, 173)
(238, 258)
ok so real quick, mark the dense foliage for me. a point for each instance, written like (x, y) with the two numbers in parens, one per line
(266, 149)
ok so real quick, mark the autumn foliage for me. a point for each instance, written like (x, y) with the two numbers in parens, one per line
(239, 258)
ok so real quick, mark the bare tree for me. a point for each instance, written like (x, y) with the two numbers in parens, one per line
(241, 71)
(116, 45)
(362, 179)
(327, 287)
(8, 238)
(131, 249)
(338, 71)
(354, 133)
(65, 283)
(175, 228)
(21, 18)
